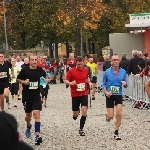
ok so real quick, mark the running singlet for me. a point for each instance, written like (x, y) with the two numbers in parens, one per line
(93, 67)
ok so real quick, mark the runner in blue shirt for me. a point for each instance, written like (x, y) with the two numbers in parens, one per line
(113, 80)
(44, 87)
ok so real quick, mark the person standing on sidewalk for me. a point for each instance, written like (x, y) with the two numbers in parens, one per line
(30, 78)
(78, 78)
(113, 80)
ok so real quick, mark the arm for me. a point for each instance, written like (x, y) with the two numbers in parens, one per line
(68, 80)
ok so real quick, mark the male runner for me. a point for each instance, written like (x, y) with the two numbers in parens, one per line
(113, 80)
(30, 78)
(78, 78)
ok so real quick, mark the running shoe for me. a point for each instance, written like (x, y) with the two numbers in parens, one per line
(28, 132)
(81, 132)
(45, 105)
(38, 140)
(117, 137)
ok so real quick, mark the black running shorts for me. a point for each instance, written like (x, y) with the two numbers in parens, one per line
(76, 101)
(94, 79)
(33, 105)
(14, 88)
(113, 100)
(3, 86)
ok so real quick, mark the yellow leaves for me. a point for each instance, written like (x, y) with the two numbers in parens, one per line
(63, 17)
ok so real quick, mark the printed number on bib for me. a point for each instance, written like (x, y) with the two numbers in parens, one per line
(3, 74)
(33, 85)
(114, 89)
(81, 87)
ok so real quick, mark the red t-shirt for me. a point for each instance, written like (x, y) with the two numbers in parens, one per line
(70, 64)
(43, 64)
(80, 77)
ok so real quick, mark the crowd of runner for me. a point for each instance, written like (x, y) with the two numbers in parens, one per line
(29, 80)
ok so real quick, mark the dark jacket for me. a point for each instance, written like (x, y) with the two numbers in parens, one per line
(133, 65)
(106, 65)
(124, 64)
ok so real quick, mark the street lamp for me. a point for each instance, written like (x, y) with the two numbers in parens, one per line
(5, 30)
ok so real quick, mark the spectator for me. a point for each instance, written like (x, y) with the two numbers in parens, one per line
(145, 57)
(134, 62)
(10, 137)
(139, 54)
(19, 62)
(100, 63)
(146, 70)
(106, 64)
(54, 68)
(124, 63)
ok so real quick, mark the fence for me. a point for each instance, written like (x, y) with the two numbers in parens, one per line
(135, 92)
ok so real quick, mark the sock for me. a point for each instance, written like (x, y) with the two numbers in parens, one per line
(37, 126)
(29, 127)
(82, 121)
(74, 117)
(116, 132)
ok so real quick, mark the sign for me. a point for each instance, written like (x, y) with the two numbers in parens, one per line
(142, 18)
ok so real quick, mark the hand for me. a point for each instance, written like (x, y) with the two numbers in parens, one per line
(108, 94)
(73, 83)
(90, 85)
(123, 83)
(1, 74)
(46, 80)
(26, 82)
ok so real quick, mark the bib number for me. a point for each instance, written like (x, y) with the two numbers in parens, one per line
(33, 85)
(114, 89)
(3, 74)
(81, 87)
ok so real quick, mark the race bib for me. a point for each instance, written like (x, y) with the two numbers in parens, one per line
(81, 87)
(114, 89)
(3, 74)
(33, 85)
(44, 86)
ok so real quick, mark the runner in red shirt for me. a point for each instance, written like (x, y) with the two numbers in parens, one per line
(42, 62)
(78, 78)
(70, 64)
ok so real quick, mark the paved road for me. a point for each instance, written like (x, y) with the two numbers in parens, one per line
(60, 132)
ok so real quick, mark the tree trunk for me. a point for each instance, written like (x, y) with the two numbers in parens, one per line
(78, 41)
(93, 48)
(50, 49)
(23, 38)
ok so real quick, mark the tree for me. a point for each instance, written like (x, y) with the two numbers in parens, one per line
(82, 14)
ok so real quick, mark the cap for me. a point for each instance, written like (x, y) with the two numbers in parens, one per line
(10, 137)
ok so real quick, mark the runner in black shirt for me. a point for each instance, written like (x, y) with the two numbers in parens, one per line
(30, 79)
(4, 80)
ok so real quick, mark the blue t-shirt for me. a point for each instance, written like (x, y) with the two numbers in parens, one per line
(112, 82)
(42, 82)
